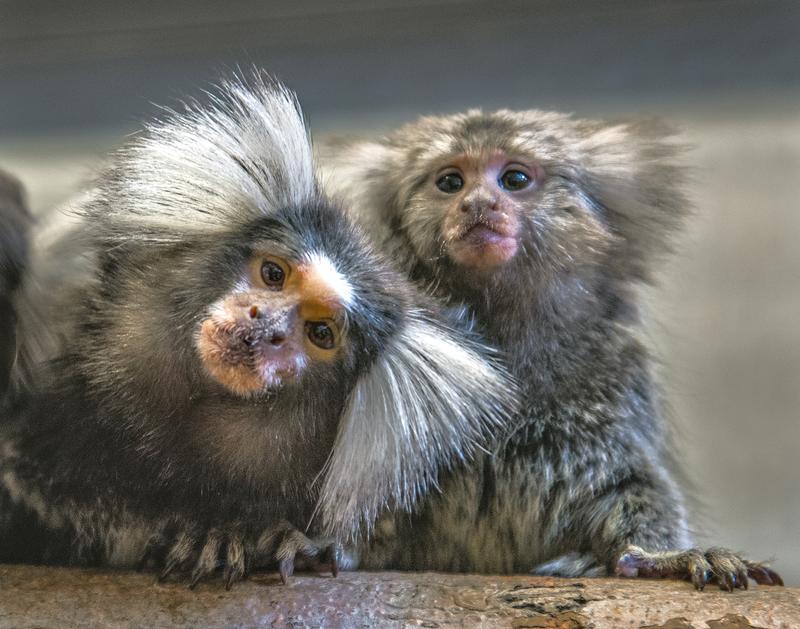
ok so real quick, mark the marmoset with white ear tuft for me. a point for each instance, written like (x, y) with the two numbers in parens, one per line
(542, 224)
(212, 355)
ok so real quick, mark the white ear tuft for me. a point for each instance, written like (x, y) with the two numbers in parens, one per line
(204, 169)
(430, 401)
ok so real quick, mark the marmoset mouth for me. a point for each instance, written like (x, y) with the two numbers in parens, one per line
(484, 243)
(485, 232)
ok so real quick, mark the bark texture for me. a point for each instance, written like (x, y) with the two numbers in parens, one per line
(40, 597)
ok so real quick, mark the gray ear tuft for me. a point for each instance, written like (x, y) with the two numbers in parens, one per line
(361, 173)
(637, 172)
(429, 403)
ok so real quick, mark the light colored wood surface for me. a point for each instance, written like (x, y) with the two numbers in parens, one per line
(53, 598)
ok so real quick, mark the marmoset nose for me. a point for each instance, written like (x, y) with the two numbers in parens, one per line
(270, 325)
(277, 339)
(479, 204)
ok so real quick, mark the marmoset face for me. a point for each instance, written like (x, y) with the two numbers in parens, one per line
(491, 193)
(285, 315)
(301, 301)
(481, 198)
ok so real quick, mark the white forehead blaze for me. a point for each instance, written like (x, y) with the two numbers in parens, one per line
(324, 268)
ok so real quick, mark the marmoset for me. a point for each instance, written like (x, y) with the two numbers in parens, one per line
(216, 366)
(15, 221)
(542, 225)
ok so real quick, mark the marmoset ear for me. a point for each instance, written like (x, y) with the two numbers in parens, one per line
(373, 181)
(636, 175)
(369, 175)
(431, 401)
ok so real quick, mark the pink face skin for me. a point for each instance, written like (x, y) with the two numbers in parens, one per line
(482, 217)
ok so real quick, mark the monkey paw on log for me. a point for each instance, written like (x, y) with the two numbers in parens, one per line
(216, 369)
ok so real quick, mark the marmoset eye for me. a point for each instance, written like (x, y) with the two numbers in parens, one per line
(320, 334)
(514, 180)
(273, 275)
(450, 183)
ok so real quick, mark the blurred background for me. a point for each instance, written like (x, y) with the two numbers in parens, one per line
(76, 77)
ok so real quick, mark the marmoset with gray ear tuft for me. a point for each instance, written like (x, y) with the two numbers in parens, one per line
(542, 225)
(212, 355)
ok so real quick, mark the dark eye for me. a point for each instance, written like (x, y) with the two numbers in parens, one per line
(273, 275)
(450, 183)
(514, 180)
(320, 334)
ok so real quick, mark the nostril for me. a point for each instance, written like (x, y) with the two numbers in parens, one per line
(466, 208)
(253, 312)
(277, 339)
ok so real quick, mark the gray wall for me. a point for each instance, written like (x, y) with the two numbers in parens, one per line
(75, 77)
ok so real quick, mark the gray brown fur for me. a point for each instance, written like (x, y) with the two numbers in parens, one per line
(15, 223)
(587, 470)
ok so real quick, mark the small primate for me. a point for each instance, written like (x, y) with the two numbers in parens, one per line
(15, 222)
(217, 370)
(542, 225)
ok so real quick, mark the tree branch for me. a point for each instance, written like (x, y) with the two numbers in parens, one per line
(32, 596)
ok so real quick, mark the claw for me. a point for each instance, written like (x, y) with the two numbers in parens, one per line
(763, 575)
(178, 555)
(727, 581)
(154, 544)
(760, 575)
(234, 561)
(718, 565)
(330, 556)
(699, 578)
(201, 552)
(148, 553)
(208, 560)
(286, 569)
(249, 562)
(731, 571)
(335, 557)
(742, 579)
(168, 568)
(229, 577)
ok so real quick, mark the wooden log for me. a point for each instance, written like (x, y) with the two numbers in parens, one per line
(32, 596)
